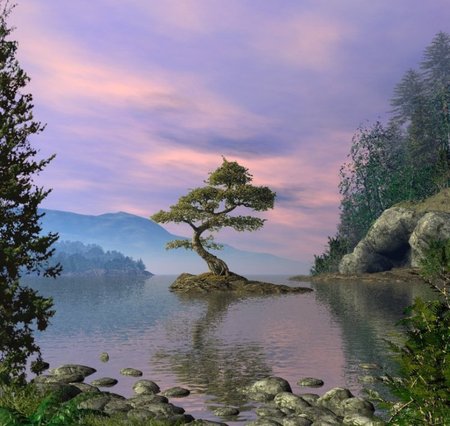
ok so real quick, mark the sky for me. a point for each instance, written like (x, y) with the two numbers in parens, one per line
(142, 98)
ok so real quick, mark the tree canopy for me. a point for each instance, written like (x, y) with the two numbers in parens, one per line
(209, 208)
(23, 249)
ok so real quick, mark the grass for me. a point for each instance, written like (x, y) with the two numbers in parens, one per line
(439, 202)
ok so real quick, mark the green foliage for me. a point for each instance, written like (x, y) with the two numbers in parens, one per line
(423, 390)
(409, 158)
(209, 208)
(50, 411)
(22, 248)
(329, 260)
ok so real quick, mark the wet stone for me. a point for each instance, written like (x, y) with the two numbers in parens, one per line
(104, 382)
(82, 370)
(131, 372)
(140, 414)
(310, 398)
(146, 387)
(225, 411)
(310, 382)
(296, 421)
(269, 412)
(176, 392)
(104, 357)
(369, 366)
(141, 400)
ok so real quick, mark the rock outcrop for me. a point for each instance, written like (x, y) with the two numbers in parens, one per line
(401, 236)
(208, 282)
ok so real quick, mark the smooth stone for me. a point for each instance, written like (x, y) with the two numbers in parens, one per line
(310, 382)
(131, 372)
(269, 412)
(296, 421)
(270, 386)
(356, 405)
(203, 422)
(97, 402)
(368, 379)
(65, 392)
(104, 357)
(145, 386)
(113, 395)
(84, 387)
(176, 392)
(264, 422)
(290, 401)
(164, 410)
(141, 400)
(82, 370)
(310, 398)
(333, 398)
(104, 382)
(322, 414)
(359, 420)
(225, 411)
(177, 419)
(116, 405)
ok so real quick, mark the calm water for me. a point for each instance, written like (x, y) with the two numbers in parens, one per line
(214, 345)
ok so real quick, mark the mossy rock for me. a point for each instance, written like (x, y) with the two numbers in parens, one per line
(208, 282)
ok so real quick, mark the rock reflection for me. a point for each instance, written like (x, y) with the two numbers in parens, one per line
(208, 364)
(367, 314)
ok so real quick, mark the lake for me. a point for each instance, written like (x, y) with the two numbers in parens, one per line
(216, 344)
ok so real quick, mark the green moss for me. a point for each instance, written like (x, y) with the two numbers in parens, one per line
(439, 202)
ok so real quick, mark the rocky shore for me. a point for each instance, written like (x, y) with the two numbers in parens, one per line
(395, 275)
(208, 282)
(276, 404)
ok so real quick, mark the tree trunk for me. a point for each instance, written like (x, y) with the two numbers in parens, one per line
(215, 265)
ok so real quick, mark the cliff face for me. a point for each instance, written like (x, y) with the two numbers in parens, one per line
(400, 236)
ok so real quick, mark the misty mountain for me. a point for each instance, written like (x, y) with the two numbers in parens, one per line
(144, 239)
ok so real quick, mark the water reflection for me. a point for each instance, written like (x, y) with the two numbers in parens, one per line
(207, 363)
(367, 314)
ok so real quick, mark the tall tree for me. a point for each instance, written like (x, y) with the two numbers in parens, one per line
(22, 247)
(208, 209)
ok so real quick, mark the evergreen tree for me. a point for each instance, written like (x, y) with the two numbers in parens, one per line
(208, 209)
(22, 248)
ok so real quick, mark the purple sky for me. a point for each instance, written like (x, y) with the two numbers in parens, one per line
(142, 97)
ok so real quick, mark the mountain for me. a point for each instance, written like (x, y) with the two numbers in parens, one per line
(144, 239)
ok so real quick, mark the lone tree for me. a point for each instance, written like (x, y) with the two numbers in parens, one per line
(208, 209)
(23, 249)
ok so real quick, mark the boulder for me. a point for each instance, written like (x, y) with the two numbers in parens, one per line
(131, 372)
(268, 387)
(291, 401)
(431, 227)
(147, 387)
(176, 392)
(400, 236)
(66, 369)
(225, 411)
(104, 382)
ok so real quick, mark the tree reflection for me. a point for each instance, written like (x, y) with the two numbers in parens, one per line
(205, 362)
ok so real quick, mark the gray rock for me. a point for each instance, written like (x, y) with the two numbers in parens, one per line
(269, 412)
(164, 410)
(290, 401)
(104, 357)
(296, 421)
(64, 391)
(269, 386)
(359, 420)
(176, 392)
(84, 387)
(131, 372)
(60, 378)
(368, 379)
(97, 402)
(333, 398)
(141, 400)
(316, 414)
(145, 386)
(431, 227)
(225, 411)
(264, 422)
(310, 398)
(356, 405)
(115, 405)
(310, 382)
(104, 382)
(202, 422)
(82, 370)
(177, 419)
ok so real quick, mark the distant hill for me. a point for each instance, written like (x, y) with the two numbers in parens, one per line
(142, 238)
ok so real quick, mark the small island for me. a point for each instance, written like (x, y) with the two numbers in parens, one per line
(78, 259)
